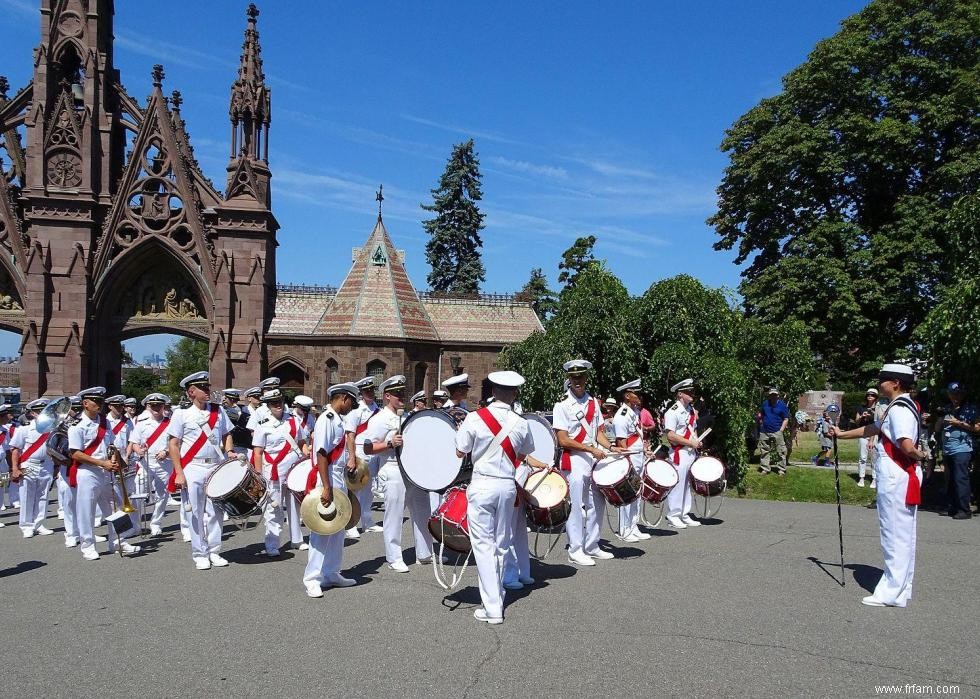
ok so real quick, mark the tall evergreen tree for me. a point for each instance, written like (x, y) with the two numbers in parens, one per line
(541, 297)
(576, 260)
(453, 250)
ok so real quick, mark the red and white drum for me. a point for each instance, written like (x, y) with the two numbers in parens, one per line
(298, 479)
(708, 476)
(616, 480)
(547, 500)
(449, 525)
(427, 457)
(236, 489)
(545, 442)
(659, 478)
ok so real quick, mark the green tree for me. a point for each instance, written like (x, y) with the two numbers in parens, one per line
(839, 188)
(124, 356)
(139, 382)
(541, 298)
(453, 249)
(576, 259)
(182, 358)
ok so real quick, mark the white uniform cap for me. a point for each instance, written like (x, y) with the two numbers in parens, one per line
(418, 396)
(506, 379)
(118, 399)
(633, 385)
(253, 392)
(896, 371)
(393, 383)
(94, 393)
(271, 382)
(682, 385)
(872, 392)
(463, 380)
(347, 389)
(37, 404)
(271, 394)
(577, 366)
(303, 401)
(155, 398)
(197, 377)
(610, 401)
(439, 393)
(366, 382)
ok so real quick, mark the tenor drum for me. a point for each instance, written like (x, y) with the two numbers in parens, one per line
(616, 479)
(298, 479)
(545, 441)
(449, 525)
(659, 478)
(708, 476)
(427, 457)
(236, 489)
(546, 499)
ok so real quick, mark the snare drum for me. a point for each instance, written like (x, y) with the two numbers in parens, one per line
(545, 441)
(449, 525)
(298, 478)
(659, 478)
(236, 489)
(546, 499)
(616, 479)
(427, 457)
(708, 476)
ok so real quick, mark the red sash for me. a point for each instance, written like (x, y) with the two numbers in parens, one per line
(363, 426)
(332, 457)
(88, 451)
(34, 447)
(3, 437)
(282, 452)
(686, 435)
(566, 456)
(119, 425)
(913, 493)
(189, 455)
(491, 422)
(156, 433)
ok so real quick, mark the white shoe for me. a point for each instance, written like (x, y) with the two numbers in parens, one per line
(580, 558)
(44, 531)
(427, 561)
(600, 554)
(90, 555)
(630, 538)
(98, 522)
(61, 514)
(3, 508)
(352, 533)
(686, 519)
(202, 564)
(513, 585)
(304, 546)
(861, 483)
(872, 602)
(156, 530)
(186, 538)
(2, 525)
(99, 539)
(374, 529)
(874, 486)
(71, 542)
(313, 589)
(480, 614)
(126, 548)
(642, 536)
(398, 567)
(217, 561)
(338, 580)
(675, 522)
(28, 533)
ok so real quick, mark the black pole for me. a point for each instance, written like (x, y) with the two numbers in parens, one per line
(840, 523)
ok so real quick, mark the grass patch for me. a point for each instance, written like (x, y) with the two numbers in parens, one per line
(847, 449)
(805, 485)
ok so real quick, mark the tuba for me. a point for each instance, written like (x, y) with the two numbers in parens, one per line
(55, 420)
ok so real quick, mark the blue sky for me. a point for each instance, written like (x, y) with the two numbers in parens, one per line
(589, 118)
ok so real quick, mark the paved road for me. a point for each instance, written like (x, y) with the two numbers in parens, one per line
(747, 606)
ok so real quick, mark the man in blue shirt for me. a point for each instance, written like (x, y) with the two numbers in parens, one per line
(775, 418)
(960, 423)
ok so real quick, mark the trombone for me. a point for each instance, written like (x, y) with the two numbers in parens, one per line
(127, 506)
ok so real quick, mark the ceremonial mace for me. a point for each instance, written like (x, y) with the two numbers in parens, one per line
(840, 524)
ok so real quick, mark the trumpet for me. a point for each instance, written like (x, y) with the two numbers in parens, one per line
(126, 505)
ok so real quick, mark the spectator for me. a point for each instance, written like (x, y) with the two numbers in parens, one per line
(775, 418)
(866, 445)
(960, 423)
(824, 425)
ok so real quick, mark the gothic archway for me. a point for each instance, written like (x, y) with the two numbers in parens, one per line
(291, 373)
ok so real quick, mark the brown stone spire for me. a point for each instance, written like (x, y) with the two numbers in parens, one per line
(251, 105)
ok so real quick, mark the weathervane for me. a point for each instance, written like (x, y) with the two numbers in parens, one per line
(379, 197)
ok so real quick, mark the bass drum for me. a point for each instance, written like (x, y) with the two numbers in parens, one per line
(449, 525)
(545, 440)
(427, 457)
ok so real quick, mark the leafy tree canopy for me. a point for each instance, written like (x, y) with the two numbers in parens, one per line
(184, 357)
(140, 382)
(541, 298)
(576, 260)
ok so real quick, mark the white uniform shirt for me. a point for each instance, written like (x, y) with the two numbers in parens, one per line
(83, 433)
(143, 429)
(259, 413)
(186, 425)
(678, 419)
(272, 434)
(626, 424)
(381, 428)
(308, 422)
(121, 438)
(474, 437)
(24, 437)
(569, 415)
(328, 433)
(899, 423)
(5, 445)
(354, 419)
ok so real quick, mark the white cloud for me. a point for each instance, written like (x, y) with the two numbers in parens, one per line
(529, 168)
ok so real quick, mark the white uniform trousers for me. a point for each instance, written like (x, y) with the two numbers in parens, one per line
(94, 489)
(490, 511)
(326, 552)
(397, 495)
(680, 499)
(206, 520)
(517, 562)
(272, 512)
(9, 494)
(34, 494)
(897, 523)
(158, 473)
(583, 529)
(66, 496)
(629, 515)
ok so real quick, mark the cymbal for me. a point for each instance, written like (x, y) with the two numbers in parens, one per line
(355, 511)
(322, 520)
(361, 476)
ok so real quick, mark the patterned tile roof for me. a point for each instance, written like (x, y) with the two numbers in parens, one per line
(299, 308)
(491, 319)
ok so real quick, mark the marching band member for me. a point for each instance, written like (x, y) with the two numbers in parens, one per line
(66, 494)
(498, 439)
(355, 424)
(330, 447)
(302, 409)
(122, 428)
(459, 388)
(899, 478)
(577, 425)
(629, 436)
(277, 445)
(149, 441)
(253, 399)
(10, 492)
(418, 401)
(131, 405)
(439, 398)
(199, 439)
(33, 470)
(680, 424)
(90, 472)
(380, 440)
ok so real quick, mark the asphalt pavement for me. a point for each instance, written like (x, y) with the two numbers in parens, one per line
(748, 605)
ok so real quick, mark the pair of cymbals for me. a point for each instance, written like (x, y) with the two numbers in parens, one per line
(338, 516)
(361, 476)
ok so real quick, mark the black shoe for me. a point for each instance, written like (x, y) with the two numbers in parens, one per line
(962, 515)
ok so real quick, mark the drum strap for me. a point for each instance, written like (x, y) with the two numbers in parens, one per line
(584, 423)
(191, 452)
(89, 450)
(500, 436)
